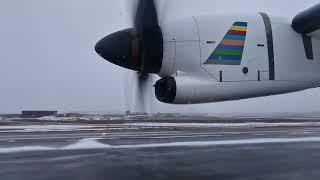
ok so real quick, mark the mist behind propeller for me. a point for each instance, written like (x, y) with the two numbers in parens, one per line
(139, 96)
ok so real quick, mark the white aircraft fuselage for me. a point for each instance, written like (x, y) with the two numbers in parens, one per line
(273, 61)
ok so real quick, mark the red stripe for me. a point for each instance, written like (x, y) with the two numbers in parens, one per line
(237, 32)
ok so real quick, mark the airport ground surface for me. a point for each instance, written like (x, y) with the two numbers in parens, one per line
(216, 148)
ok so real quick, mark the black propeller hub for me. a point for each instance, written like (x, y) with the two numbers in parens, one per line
(139, 48)
(128, 49)
(121, 48)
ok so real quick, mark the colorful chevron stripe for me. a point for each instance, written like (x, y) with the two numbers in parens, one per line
(230, 49)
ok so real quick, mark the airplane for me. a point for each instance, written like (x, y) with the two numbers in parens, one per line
(219, 57)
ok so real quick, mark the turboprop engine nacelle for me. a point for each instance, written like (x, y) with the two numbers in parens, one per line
(191, 90)
(186, 90)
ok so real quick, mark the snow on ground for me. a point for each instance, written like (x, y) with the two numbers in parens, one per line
(218, 143)
(85, 118)
(25, 149)
(68, 128)
(90, 143)
(223, 125)
(67, 119)
(53, 118)
(48, 128)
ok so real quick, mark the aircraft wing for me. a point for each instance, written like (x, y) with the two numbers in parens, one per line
(308, 22)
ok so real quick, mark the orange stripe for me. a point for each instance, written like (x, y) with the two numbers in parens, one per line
(232, 42)
(239, 28)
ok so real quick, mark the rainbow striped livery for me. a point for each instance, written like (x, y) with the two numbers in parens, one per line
(230, 49)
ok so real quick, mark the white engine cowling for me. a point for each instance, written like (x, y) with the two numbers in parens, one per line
(189, 90)
(184, 90)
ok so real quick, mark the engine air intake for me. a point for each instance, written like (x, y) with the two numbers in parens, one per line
(166, 90)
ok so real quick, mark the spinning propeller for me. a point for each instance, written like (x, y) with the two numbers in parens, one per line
(139, 48)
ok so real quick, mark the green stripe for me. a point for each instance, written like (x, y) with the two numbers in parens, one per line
(227, 52)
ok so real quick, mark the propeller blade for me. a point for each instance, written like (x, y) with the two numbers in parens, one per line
(138, 92)
(146, 15)
(143, 93)
(151, 41)
(139, 48)
(142, 98)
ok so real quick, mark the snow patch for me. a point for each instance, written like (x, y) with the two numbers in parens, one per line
(219, 143)
(46, 128)
(89, 143)
(115, 118)
(224, 125)
(94, 144)
(84, 118)
(53, 118)
(25, 149)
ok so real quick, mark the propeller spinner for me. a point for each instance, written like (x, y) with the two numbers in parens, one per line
(139, 48)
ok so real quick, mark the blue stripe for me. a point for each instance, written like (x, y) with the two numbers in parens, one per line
(230, 47)
(240, 24)
(235, 37)
(225, 57)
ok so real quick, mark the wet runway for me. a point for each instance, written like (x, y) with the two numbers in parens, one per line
(161, 151)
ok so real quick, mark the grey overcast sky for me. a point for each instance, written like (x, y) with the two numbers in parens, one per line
(47, 58)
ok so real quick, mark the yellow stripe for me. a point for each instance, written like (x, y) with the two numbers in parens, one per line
(238, 28)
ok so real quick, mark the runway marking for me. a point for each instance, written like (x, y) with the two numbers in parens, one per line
(302, 133)
(132, 135)
(209, 134)
(260, 134)
(86, 144)
(219, 143)
(218, 135)
(293, 133)
(225, 125)
(182, 136)
(235, 133)
(68, 128)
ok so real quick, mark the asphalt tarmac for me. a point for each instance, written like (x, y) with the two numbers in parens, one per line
(160, 151)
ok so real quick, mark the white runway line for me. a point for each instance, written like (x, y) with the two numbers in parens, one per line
(85, 144)
(295, 133)
(218, 135)
(225, 125)
(141, 135)
(136, 126)
(25, 149)
(303, 133)
(235, 133)
(219, 143)
(181, 136)
(260, 134)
